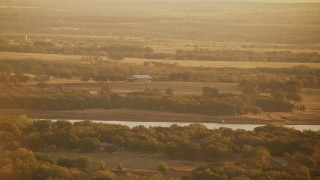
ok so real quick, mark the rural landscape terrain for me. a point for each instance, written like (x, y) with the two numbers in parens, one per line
(130, 89)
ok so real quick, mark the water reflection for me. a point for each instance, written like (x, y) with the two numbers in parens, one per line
(247, 127)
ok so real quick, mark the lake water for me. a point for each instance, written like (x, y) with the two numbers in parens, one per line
(247, 127)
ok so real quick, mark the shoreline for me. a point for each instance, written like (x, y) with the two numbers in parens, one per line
(294, 118)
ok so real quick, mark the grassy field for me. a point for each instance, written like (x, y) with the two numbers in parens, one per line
(311, 99)
(219, 64)
(39, 56)
(125, 87)
(179, 20)
(131, 161)
(298, 117)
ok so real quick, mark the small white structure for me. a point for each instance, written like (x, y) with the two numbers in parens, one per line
(139, 78)
(28, 39)
(48, 40)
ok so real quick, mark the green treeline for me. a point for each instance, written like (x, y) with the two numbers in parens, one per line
(130, 51)
(268, 152)
(284, 98)
(138, 51)
(101, 71)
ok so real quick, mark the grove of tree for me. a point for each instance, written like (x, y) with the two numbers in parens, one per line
(270, 151)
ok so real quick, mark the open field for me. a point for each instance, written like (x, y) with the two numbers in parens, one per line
(217, 64)
(125, 87)
(298, 117)
(129, 160)
(220, 64)
(133, 162)
(178, 20)
(311, 99)
(39, 56)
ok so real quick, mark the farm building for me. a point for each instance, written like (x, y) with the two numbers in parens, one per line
(135, 78)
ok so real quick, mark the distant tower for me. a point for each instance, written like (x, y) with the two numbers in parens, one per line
(26, 38)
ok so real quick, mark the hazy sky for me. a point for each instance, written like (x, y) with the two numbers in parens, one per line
(264, 1)
(272, 1)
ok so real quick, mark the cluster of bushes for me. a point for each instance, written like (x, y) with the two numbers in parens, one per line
(7, 79)
(55, 69)
(268, 151)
